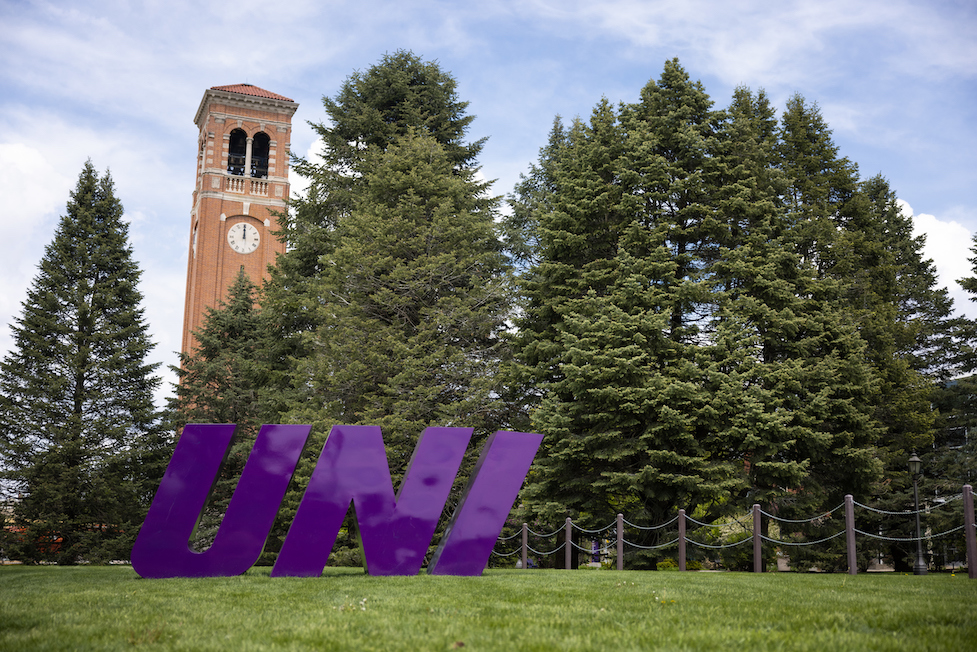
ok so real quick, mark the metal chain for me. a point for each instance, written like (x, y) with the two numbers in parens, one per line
(802, 543)
(664, 545)
(910, 512)
(605, 549)
(718, 547)
(700, 523)
(652, 527)
(747, 527)
(883, 511)
(910, 539)
(544, 536)
(806, 520)
(512, 537)
(603, 529)
(543, 554)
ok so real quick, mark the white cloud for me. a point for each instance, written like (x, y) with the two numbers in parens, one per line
(792, 41)
(948, 244)
(33, 190)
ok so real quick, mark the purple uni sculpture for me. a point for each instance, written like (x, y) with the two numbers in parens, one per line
(395, 531)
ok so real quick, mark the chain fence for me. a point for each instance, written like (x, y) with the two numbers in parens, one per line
(732, 536)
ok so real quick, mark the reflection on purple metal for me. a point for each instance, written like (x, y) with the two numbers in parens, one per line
(495, 482)
(395, 531)
(162, 547)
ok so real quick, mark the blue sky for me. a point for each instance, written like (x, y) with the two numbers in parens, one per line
(120, 82)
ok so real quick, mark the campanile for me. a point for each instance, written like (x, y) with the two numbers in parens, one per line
(242, 181)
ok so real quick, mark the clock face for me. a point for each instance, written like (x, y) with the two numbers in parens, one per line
(243, 238)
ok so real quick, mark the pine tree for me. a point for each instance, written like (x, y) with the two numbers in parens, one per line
(81, 441)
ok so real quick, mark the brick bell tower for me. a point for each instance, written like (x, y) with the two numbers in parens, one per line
(242, 180)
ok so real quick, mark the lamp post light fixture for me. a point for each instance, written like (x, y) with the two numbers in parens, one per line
(916, 469)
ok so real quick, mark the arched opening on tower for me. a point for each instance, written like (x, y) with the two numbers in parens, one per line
(237, 152)
(259, 155)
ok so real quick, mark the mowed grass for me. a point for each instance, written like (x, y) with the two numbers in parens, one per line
(111, 608)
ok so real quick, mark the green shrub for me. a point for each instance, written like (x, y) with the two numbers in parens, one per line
(667, 565)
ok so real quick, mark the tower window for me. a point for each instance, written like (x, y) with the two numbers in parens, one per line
(259, 155)
(237, 152)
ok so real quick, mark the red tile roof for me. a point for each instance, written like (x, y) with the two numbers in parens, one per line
(248, 89)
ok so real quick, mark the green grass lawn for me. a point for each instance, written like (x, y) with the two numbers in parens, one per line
(111, 608)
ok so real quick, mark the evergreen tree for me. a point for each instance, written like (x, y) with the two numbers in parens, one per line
(372, 110)
(236, 374)
(820, 183)
(841, 391)
(532, 197)
(681, 325)
(672, 134)
(951, 461)
(376, 109)
(615, 296)
(757, 285)
(903, 316)
(81, 440)
(392, 298)
(969, 283)
(417, 291)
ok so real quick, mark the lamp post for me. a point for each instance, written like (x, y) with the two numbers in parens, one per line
(916, 468)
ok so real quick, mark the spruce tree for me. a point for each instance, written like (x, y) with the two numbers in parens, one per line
(688, 343)
(81, 442)
(371, 110)
(393, 296)
(614, 302)
(415, 301)
(236, 374)
(672, 140)
(756, 284)
(820, 183)
(823, 199)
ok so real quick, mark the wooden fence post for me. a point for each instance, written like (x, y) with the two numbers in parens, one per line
(569, 542)
(525, 546)
(971, 535)
(850, 534)
(620, 541)
(681, 539)
(757, 541)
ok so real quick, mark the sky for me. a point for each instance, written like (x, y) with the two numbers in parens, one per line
(119, 82)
